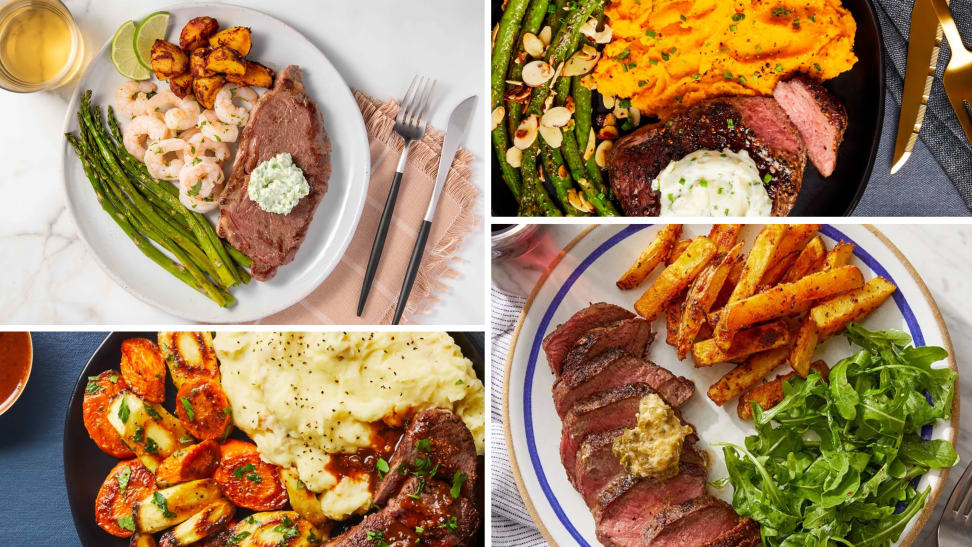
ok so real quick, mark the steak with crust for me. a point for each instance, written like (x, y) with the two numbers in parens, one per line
(690, 524)
(285, 119)
(558, 342)
(632, 335)
(818, 115)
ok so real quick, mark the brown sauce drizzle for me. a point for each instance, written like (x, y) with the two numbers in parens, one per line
(362, 462)
(14, 365)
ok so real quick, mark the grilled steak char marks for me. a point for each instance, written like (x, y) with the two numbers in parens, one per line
(285, 119)
(690, 524)
(632, 335)
(558, 342)
(745, 534)
(755, 124)
(818, 115)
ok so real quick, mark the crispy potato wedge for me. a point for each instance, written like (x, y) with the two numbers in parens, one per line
(302, 500)
(673, 311)
(143, 367)
(676, 277)
(839, 256)
(746, 375)
(263, 529)
(204, 409)
(189, 355)
(256, 75)
(783, 300)
(770, 393)
(143, 540)
(796, 237)
(724, 236)
(745, 343)
(148, 429)
(651, 257)
(236, 38)
(701, 296)
(126, 483)
(181, 85)
(804, 345)
(832, 316)
(195, 462)
(809, 260)
(197, 63)
(213, 518)
(224, 60)
(168, 60)
(197, 31)
(170, 506)
(205, 89)
(677, 249)
(759, 259)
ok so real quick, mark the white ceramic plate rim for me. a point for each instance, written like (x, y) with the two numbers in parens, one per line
(325, 258)
(542, 500)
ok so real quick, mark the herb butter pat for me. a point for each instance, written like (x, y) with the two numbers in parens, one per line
(653, 447)
(709, 183)
(276, 185)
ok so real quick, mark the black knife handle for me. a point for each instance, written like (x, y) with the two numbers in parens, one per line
(379, 244)
(413, 268)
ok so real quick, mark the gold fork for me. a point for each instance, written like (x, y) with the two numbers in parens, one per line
(958, 74)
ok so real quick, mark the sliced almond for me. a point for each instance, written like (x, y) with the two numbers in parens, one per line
(582, 62)
(557, 116)
(562, 171)
(557, 73)
(589, 148)
(608, 133)
(578, 200)
(536, 73)
(608, 101)
(492, 37)
(635, 115)
(519, 94)
(588, 82)
(548, 102)
(533, 45)
(589, 29)
(514, 157)
(497, 117)
(546, 35)
(553, 136)
(620, 112)
(526, 132)
(600, 156)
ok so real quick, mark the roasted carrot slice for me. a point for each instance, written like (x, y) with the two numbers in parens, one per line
(98, 394)
(233, 448)
(198, 461)
(251, 482)
(203, 409)
(126, 483)
(143, 368)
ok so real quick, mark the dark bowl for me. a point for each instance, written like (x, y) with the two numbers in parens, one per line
(861, 89)
(85, 466)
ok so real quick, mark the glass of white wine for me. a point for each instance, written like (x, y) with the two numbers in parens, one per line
(40, 45)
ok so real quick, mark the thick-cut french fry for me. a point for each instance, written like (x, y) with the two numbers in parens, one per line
(783, 300)
(701, 296)
(673, 310)
(675, 277)
(770, 393)
(651, 257)
(809, 260)
(677, 250)
(839, 256)
(804, 344)
(745, 343)
(787, 251)
(746, 375)
(724, 236)
(831, 316)
(760, 257)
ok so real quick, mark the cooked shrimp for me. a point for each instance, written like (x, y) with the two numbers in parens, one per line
(215, 130)
(200, 184)
(199, 148)
(233, 104)
(164, 158)
(162, 101)
(184, 116)
(144, 129)
(131, 97)
(188, 133)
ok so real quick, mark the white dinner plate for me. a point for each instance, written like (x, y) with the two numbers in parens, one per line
(586, 272)
(276, 45)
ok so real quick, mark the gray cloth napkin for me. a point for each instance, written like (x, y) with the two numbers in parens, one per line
(940, 131)
(511, 523)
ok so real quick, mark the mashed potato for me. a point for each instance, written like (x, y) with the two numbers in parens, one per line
(667, 53)
(303, 396)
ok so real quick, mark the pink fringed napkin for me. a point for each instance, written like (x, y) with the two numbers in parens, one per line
(336, 300)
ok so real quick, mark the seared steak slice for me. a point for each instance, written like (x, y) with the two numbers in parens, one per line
(285, 119)
(632, 335)
(818, 115)
(755, 124)
(628, 503)
(744, 534)
(557, 343)
(450, 448)
(614, 369)
(690, 524)
(433, 510)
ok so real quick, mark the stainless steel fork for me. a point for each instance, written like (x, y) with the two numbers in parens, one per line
(410, 125)
(955, 528)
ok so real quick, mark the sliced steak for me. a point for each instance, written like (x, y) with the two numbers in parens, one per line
(285, 119)
(557, 343)
(744, 534)
(450, 448)
(632, 335)
(614, 369)
(690, 524)
(628, 503)
(818, 115)
(755, 124)
(432, 509)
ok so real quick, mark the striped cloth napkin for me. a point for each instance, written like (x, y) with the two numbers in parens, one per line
(511, 523)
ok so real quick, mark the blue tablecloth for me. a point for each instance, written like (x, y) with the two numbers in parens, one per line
(33, 499)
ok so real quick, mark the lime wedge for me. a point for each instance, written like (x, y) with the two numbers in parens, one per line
(123, 56)
(151, 28)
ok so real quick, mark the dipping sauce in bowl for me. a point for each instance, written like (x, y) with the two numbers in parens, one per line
(16, 357)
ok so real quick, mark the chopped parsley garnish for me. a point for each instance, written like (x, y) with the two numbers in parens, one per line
(742, 79)
(703, 183)
(159, 500)
(139, 435)
(151, 412)
(375, 535)
(194, 191)
(127, 522)
(422, 445)
(459, 382)
(451, 524)
(92, 386)
(767, 178)
(382, 467)
(123, 477)
(113, 379)
(287, 529)
(242, 470)
(696, 76)
(779, 68)
(730, 124)
(150, 446)
(235, 540)
(817, 67)
(733, 28)
(665, 56)
(457, 481)
(123, 411)
(624, 54)
(419, 530)
(650, 33)
(421, 486)
(726, 74)
(625, 103)
(186, 404)
(738, 17)
(186, 439)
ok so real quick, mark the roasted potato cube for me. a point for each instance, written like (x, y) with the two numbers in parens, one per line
(302, 500)
(168, 60)
(651, 257)
(197, 63)
(181, 85)
(235, 38)
(189, 355)
(170, 506)
(213, 518)
(148, 429)
(269, 528)
(225, 61)
(143, 540)
(197, 31)
(205, 89)
(256, 75)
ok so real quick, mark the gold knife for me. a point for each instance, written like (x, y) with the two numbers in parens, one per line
(924, 40)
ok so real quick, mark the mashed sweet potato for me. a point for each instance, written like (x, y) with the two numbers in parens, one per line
(667, 53)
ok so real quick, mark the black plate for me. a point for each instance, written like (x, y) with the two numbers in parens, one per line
(861, 89)
(85, 466)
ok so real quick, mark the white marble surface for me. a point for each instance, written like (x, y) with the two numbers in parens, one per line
(47, 274)
(942, 255)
